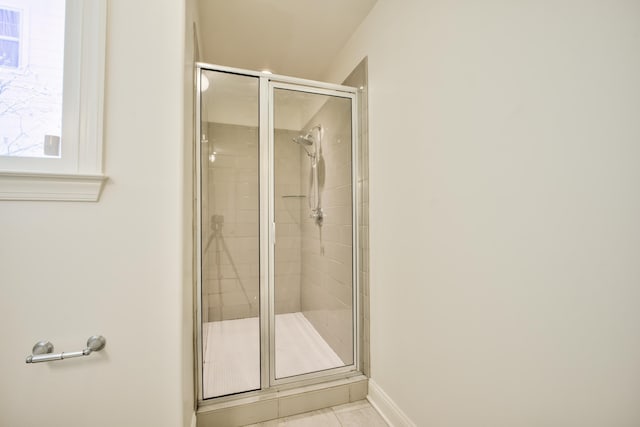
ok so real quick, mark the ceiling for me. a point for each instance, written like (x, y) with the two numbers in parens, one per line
(290, 37)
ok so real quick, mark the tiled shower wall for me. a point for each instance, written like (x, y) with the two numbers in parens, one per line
(290, 198)
(230, 199)
(327, 285)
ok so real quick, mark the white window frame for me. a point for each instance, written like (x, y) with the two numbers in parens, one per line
(77, 175)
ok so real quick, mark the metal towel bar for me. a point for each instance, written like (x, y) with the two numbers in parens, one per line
(43, 350)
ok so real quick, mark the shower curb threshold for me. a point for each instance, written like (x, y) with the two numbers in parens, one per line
(278, 403)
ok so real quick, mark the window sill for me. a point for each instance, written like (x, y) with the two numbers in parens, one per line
(51, 187)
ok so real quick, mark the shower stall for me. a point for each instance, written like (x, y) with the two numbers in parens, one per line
(277, 232)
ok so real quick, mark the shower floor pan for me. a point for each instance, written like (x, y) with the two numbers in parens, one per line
(232, 353)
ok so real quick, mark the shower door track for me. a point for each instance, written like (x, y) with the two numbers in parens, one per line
(268, 383)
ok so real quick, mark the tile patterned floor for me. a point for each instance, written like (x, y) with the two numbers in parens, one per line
(357, 414)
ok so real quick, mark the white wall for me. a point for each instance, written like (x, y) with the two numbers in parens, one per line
(505, 211)
(70, 270)
(188, 259)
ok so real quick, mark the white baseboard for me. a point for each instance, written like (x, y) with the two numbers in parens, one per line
(387, 408)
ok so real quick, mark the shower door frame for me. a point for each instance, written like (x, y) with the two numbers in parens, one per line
(280, 84)
(266, 173)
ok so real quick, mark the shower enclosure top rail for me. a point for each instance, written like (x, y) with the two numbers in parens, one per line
(277, 77)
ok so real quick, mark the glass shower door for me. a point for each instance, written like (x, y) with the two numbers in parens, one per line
(276, 255)
(313, 311)
(229, 234)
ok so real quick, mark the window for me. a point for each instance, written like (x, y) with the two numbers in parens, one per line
(51, 99)
(31, 72)
(9, 38)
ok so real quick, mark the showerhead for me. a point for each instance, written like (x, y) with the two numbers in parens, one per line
(310, 140)
(303, 139)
